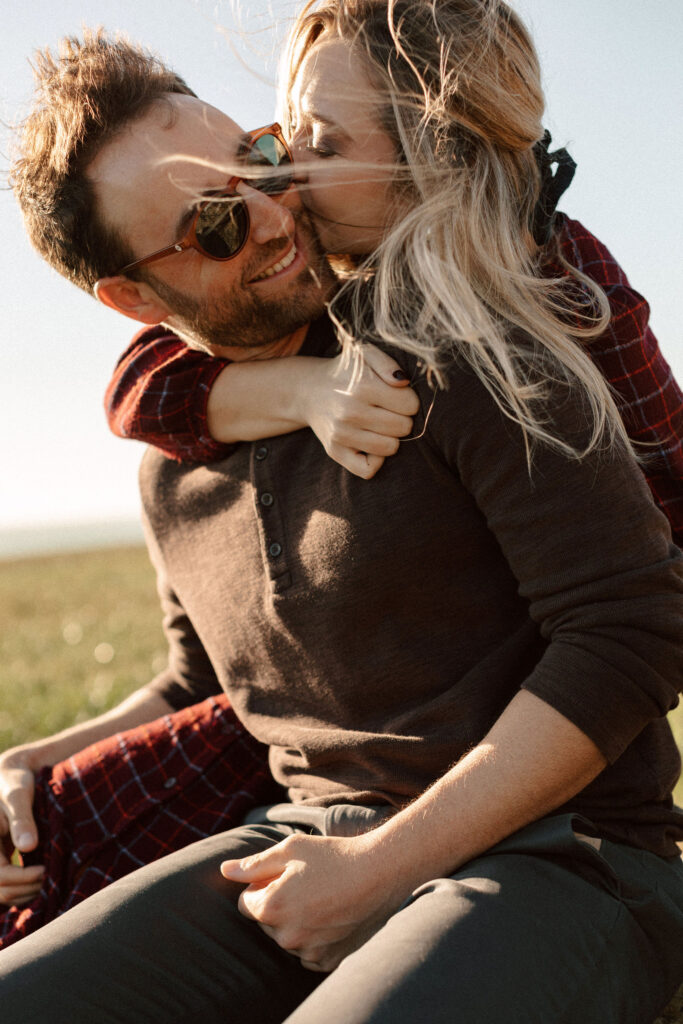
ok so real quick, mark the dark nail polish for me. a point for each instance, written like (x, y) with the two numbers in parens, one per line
(400, 375)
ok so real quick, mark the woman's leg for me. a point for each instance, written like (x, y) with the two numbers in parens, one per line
(165, 944)
(135, 797)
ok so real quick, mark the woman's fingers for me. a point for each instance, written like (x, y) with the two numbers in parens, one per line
(19, 885)
(382, 421)
(375, 381)
(385, 367)
(16, 807)
(359, 463)
(376, 391)
(366, 441)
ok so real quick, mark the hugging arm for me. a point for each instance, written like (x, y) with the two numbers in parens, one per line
(628, 355)
(194, 407)
(173, 689)
(18, 767)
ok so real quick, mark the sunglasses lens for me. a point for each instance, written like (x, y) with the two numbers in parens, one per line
(221, 228)
(269, 151)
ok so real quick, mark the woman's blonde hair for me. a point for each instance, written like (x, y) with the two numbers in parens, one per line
(459, 274)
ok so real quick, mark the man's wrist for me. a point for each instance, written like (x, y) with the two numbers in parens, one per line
(386, 868)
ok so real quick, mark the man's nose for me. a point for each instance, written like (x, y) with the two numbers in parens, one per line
(270, 216)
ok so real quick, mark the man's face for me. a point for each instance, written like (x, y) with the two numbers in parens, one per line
(148, 181)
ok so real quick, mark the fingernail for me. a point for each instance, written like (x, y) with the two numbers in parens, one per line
(400, 375)
(26, 839)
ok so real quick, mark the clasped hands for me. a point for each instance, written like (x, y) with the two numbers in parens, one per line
(318, 897)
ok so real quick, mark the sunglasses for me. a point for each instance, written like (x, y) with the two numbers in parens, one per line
(219, 229)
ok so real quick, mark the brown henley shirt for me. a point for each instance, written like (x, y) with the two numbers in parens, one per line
(372, 631)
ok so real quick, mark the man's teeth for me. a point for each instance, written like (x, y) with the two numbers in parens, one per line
(284, 262)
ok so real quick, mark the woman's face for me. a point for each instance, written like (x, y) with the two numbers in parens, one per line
(345, 159)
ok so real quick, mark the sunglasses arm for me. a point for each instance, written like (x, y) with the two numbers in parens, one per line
(158, 255)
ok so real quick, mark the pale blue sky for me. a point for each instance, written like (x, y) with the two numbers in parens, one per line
(613, 83)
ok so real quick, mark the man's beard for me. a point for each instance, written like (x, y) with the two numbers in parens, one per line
(240, 318)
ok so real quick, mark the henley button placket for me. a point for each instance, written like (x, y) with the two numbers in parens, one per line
(270, 514)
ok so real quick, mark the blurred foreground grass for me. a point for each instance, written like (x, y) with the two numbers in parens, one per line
(78, 632)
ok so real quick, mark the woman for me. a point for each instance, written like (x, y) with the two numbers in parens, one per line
(519, 376)
(534, 268)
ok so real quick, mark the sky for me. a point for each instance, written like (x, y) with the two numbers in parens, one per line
(613, 80)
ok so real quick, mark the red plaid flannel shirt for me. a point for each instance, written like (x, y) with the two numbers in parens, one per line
(131, 799)
(160, 388)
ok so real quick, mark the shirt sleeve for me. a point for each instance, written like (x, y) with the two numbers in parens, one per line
(648, 398)
(591, 554)
(629, 357)
(159, 393)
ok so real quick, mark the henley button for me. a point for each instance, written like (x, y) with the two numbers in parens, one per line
(267, 499)
(275, 550)
(170, 783)
(261, 453)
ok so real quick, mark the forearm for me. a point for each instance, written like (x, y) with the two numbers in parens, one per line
(144, 705)
(250, 401)
(531, 762)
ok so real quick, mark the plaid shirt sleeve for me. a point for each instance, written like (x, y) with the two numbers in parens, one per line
(135, 797)
(628, 355)
(159, 394)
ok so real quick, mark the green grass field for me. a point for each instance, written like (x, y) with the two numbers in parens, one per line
(80, 632)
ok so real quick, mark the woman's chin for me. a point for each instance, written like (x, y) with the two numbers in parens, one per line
(342, 240)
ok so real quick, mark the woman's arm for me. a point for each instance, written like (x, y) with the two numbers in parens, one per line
(357, 413)
(19, 766)
(158, 394)
(194, 407)
(628, 355)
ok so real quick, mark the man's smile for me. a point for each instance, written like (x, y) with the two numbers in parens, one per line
(283, 263)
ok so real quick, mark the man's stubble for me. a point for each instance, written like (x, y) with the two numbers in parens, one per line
(240, 318)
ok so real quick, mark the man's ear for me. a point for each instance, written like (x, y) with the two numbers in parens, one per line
(132, 298)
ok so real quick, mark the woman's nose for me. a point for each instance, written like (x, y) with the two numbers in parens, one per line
(300, 157)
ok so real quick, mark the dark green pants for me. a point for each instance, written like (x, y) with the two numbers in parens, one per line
(542, 928)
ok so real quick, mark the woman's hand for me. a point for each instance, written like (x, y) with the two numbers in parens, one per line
(18, 831)
(360, 411)
(318, 897)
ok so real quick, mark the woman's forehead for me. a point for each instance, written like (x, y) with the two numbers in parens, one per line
(332, 84)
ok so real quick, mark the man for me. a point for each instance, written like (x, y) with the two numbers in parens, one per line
(326, 609)
(87, 251)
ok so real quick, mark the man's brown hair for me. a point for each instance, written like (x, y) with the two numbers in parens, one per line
(84, 96)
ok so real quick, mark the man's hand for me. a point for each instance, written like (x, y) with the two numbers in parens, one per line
(360, 411)
(320, 898)
(17, 830)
